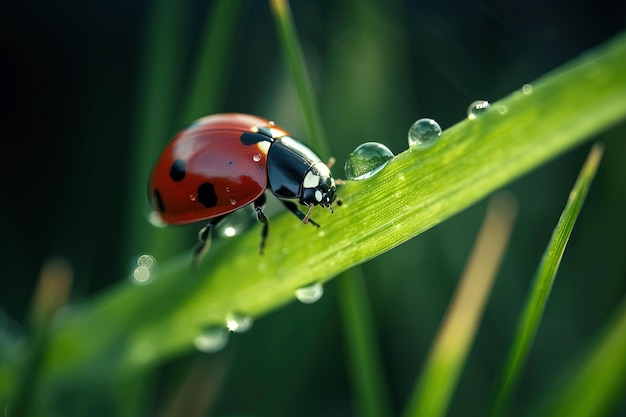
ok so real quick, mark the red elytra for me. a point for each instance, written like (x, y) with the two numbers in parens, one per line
(211, 151)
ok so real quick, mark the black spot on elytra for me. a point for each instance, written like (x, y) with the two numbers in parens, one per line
(250, 138)
(158, 200)
(206, 195)
(178, 170)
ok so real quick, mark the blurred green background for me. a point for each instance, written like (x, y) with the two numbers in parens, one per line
(73, 102)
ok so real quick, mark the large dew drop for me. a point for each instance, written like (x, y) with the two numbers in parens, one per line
(366, 160)
(424, 133)
(212, 339)
(310, 293)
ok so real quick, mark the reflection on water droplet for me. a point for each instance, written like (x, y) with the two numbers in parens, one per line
(212, 339)
(527, 89)
(256, 157)
(192, 197)
(233, 201)
(424, 133)
(310, 293)
(477, 108)
(366, 160)
(237, 322)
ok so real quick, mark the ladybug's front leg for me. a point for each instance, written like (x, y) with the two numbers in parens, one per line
(204, 243)
(262, 218)
(292, 207)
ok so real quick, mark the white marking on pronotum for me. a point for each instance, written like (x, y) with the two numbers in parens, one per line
(318, 195)
(311, 180)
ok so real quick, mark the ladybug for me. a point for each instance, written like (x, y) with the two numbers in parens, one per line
(224, 162)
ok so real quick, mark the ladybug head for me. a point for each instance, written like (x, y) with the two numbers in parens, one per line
(318, 186)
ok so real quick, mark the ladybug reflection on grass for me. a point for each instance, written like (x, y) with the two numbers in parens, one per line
(224, 162)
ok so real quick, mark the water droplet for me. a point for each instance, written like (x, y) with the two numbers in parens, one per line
(228, 189)
(310, 293)
(145, 271)
(192, 197)
(233, 201)
(237, 322)
(477, 108)
(366, 160)
(423, 133)
(256, 157)
(212, 339)
(230, 231)
(527, 89)
(271, 123)
(141, 274)
(146, 260)
(502, 109)
(154, 218)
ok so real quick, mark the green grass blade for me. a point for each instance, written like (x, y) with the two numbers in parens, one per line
(432, 393)
(544, 278)
(598, 382)
(156, 105)
(139, 325)
(365, 367)
(212, 62)
(297, 65)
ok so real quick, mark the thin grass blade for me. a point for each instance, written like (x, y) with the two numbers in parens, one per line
(365, 363)
(544, 279)
(298, 68)
(594, 385)
(432, 393)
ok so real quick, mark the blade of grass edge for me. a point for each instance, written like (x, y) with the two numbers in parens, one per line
(544, 279)
(597, 382)
(365, 364)
(446, 359)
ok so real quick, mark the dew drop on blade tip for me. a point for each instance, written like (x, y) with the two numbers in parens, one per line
(212, 339)
(310, 293)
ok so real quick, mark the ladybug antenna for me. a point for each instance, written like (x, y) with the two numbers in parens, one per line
(308, 214)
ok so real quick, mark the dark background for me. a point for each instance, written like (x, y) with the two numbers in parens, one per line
(70, 101)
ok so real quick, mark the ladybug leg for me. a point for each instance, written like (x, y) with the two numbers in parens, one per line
(204, 238)
(292, 207)
(262, 218)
